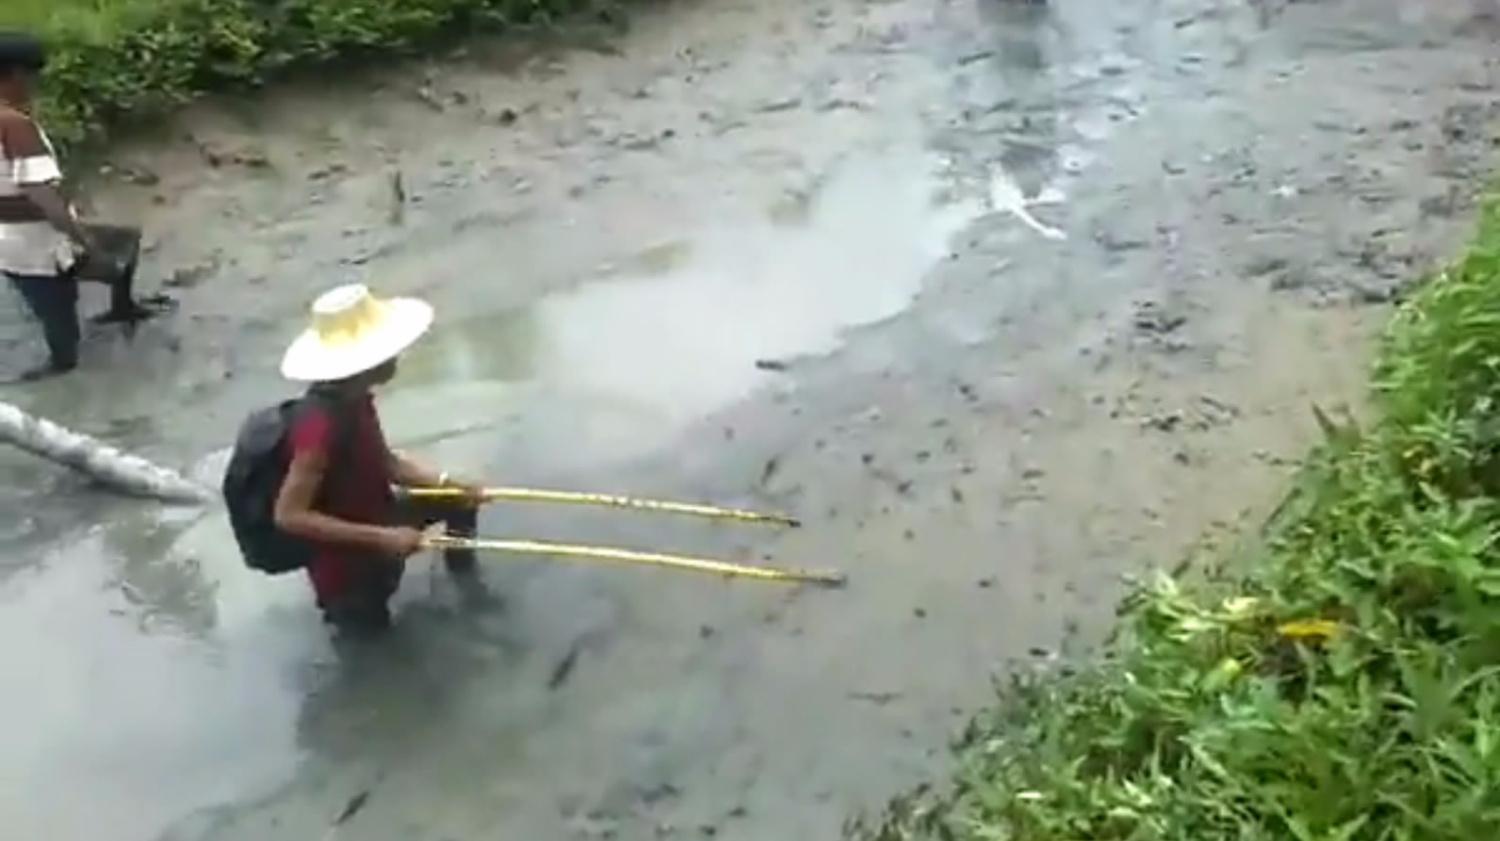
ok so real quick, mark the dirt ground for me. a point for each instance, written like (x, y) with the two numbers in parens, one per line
(1007, 301)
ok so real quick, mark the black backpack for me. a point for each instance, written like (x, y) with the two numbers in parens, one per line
(253, 481)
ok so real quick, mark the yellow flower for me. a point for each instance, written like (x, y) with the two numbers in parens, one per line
(1302, 629)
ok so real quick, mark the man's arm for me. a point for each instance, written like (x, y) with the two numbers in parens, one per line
(409, 474)
(35, 171)
(296, 515)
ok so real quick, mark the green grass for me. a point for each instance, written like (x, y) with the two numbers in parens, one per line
(118, 61)
(1345, 688)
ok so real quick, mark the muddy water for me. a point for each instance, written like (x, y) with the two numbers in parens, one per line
(1007, 302)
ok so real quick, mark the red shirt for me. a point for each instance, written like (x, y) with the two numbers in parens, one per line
(356, 485)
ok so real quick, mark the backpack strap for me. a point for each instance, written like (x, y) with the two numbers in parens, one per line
(341, 426)
(342, 420)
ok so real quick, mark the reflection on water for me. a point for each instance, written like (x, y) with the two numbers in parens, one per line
(165, 590)
(673, 331)
(148, 725)
(679, 343)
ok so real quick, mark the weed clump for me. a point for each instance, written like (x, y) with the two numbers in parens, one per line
(1344, 687)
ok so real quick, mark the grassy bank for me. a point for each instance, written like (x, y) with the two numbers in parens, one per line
(1344, 686)
(120, 60)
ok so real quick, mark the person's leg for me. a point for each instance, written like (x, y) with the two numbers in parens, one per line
(54, 302)
(123, 307)
(362, 606)
(461, 521)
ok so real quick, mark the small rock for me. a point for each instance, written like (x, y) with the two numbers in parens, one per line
(1264, 264)
(1165, 422)
(986, 583)
(770, 365)
(324, 173)
(706, 631)
(839, 104)
(189, 277)
(656, 794)
(785, 104)
(638, 144)
(920, 613)
(1112, 241)
(429, 98)
(140, 176)
(1151, 317)
(253, 160)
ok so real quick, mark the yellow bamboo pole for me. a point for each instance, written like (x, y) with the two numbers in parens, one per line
(611, 501)
(605, 553)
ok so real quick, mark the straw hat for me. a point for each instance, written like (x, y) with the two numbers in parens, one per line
(353, 331)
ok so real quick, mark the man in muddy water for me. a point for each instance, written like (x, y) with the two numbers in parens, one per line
(339, 492)
(43, 243)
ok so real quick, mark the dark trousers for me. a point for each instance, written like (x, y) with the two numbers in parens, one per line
(363, 606)
(53, 300)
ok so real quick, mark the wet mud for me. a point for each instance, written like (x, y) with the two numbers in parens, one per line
(1007, 301)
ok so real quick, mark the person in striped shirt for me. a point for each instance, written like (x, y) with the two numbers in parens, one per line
(42, 240)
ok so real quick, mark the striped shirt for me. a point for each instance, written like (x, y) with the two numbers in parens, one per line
(29, 244)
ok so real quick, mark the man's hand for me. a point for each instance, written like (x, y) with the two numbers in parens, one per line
(400, 542)
(473, 495)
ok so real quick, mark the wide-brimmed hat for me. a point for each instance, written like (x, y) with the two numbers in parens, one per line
(352, 332)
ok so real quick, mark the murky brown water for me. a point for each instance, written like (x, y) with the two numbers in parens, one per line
(1044, 294)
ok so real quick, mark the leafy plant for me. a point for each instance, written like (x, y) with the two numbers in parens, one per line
(114, 61)
(1345, 688)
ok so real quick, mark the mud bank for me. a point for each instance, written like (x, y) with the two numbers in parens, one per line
(1006, 303)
